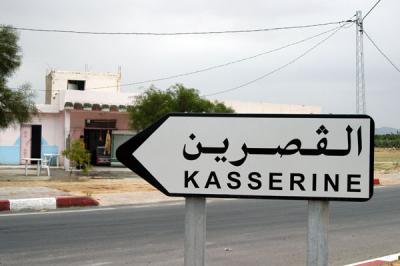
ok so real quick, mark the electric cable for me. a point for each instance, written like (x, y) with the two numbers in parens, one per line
(278, 68)
(372, 8)
(174, 33)
(381, 52)
(220, 65)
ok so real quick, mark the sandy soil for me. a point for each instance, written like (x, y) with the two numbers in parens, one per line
(393, 263)
(88, 186)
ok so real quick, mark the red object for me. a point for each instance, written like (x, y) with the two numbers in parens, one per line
(376, 181)
(4, 205)
(63, 202)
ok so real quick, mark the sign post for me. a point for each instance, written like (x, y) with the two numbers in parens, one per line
(317, 232)
(318, 158)
(195, 231)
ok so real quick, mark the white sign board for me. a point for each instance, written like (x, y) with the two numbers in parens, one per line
(256, 156)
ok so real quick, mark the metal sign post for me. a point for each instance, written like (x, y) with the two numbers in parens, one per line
(195, 231)
(317, 232)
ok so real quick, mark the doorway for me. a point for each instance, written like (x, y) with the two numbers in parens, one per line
(36, 142)
(95, 142)
(97, 136)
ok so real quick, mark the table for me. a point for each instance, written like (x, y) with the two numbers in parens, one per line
(50, 156)
(39, 162)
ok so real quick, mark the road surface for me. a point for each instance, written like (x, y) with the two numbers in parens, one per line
(239, 232)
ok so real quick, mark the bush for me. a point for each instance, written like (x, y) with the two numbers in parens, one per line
(113, 108)
(79, 155)
(105, 106)
(96, 107)
(87, 105)
(387, 141)
(68, 104)
(78, 106)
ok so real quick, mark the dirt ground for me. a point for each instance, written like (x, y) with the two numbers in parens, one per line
(388, 181)
(88, 187)
(91, 187)
(393, 263)
(387, 160)
(387, 169)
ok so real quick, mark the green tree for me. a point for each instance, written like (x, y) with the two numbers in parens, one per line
(154, 103)
(15, 105)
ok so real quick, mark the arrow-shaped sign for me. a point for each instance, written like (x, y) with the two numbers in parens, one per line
(256, 156)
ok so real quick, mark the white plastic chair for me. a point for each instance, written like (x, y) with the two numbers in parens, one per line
(45, 164)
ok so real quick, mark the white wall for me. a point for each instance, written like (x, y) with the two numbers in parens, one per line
(93, 82)
(270, 108)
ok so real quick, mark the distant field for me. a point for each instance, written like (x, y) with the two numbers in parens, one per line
(387, 160)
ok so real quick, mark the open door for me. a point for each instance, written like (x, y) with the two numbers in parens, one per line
(36, 142)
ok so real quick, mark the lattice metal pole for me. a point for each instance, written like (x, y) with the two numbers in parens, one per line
(360, 80)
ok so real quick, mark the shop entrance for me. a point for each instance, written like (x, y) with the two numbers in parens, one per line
(97, 138)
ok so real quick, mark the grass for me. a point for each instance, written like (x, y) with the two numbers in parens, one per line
(387, 160)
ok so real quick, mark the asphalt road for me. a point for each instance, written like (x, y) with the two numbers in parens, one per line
(239, 232)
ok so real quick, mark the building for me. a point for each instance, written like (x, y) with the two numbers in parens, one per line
(77, 105)
(271, 108)
(90, 106)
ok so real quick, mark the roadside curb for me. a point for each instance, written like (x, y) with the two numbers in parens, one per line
(15, 205)
(377, 261)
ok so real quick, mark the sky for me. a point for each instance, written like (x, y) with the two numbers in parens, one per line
(324, 77)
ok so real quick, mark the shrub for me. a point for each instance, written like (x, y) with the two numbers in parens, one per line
(105, 106)
(87, 105)
(96, 107)
(68, 104)
(79, 155)
(78, 106)
(387, 141)
(113, 108)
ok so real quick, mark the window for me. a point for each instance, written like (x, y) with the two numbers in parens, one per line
(78, 85)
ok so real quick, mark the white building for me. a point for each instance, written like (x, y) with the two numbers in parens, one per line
(76, 104)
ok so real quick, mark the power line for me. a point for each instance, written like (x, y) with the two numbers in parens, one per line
(241, 60)
(220, 65)
(381, 52)
(174, 33)
(277, 69)
(371, 9)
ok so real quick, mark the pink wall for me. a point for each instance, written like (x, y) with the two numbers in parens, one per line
(15, 141)
(25, 142)
(78, 120)
(8, 136)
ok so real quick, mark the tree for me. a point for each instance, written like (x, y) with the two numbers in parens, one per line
(154, 103)
(15, 105)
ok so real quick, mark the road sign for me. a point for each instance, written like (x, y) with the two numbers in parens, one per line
(327, 157)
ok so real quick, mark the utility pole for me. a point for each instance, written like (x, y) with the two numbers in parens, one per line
(360, 80)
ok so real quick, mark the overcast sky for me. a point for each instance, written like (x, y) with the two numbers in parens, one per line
(325, 77)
